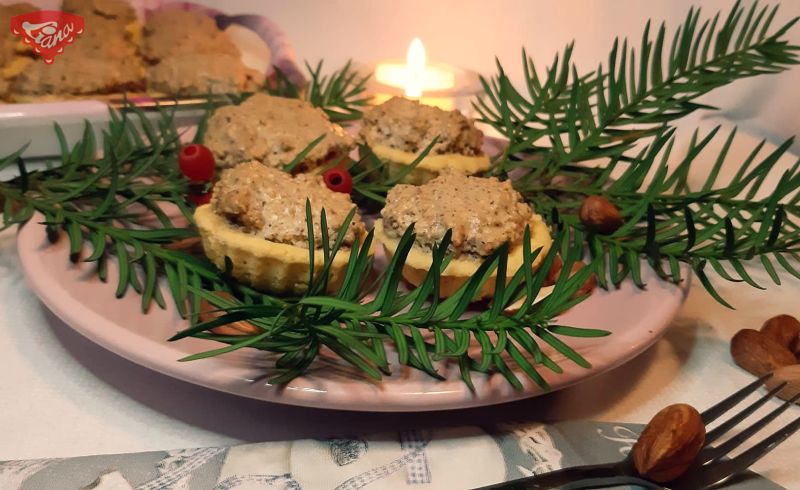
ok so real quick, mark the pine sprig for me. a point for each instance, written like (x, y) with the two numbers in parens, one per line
(714, 228)
(92, 201)
(372, 179)
(341, 94)
(421, 328)
(566, 117)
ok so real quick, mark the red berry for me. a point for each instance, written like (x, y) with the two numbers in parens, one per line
(196, 163)
(338, 180)
(200, 199)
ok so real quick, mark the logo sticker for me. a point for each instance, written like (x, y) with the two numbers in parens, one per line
(47, 31)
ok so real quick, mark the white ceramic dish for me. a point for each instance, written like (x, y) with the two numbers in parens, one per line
(262, 43)
(636, 318)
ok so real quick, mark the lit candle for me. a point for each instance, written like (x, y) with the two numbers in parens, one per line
(415, 76)
(434, 84)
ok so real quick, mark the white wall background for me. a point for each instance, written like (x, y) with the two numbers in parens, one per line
(470, 33)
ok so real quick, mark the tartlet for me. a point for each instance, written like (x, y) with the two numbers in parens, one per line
(483, 214)
(257, 218)
(272, 131)
(399, 129)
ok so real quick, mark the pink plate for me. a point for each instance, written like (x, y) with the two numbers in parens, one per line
(636, 318)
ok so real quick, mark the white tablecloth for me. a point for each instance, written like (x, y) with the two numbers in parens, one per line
(64, 396)
(60, 395)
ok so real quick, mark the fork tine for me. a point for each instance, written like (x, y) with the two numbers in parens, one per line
(713, 453)
(724, 470)
(730, 423)
(714, 412)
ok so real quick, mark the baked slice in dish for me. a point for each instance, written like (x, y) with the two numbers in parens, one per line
(199, 74)
(102, 60)
(272, 131)
(483, 214)
(187, 54)
(15, 55)
(172, 31)
(399, 129)
(257, 218)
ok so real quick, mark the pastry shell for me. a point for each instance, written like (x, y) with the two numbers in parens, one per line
(459, 270)
(268, 266)
(430, 166)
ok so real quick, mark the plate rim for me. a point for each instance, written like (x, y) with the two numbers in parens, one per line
(78, 316)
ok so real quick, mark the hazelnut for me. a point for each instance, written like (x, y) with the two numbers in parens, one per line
(785, 329)
(599, 215)
(758, 353)
(789, 375)
(669, 443)
(208, 312)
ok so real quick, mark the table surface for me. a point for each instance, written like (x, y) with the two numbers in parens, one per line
(64, 396)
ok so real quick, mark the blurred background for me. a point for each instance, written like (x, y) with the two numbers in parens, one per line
(470, 33)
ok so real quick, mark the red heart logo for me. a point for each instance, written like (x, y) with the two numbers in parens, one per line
(48, 31)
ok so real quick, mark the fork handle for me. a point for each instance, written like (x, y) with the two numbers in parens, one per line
(576, 476)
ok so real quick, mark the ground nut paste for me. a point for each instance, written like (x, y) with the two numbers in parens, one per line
(273, 130)
(272, 204)
(482, 212)
(409, 126)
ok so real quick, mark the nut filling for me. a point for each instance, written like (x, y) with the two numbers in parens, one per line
(273, 130)
(272, 204)
(407, 125)
(483, 213)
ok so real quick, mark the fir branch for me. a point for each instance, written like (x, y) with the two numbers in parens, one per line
(87, 200)
(340, 94)
(603, 113)
(714, 228)
(423, 329)
(372, 179)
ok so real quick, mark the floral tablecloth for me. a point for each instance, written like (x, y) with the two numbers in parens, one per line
(452, 458)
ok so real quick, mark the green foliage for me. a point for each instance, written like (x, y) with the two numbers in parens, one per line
(423, 329)
(565, 117)
(101, 201)
(372, 179)
(561, 119)
(340, 94)
(713, 227)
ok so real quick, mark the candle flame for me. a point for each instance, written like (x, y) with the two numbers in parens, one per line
(415, 68)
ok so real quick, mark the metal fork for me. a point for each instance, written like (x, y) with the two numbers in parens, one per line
(709, 469)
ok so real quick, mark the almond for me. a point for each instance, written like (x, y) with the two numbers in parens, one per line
(190, 245)
(599, 215)
(789, 375)
(669, 443)
(588, 285)
(759, 353)
(555, 270)
(208, 312)
(785, 329)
